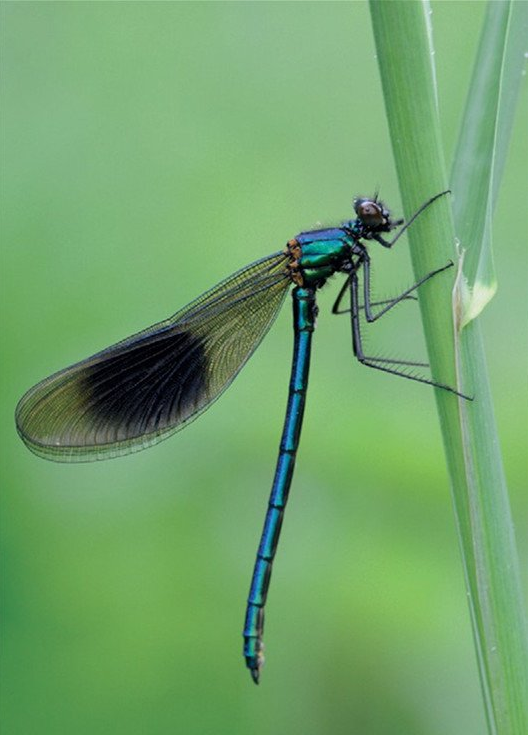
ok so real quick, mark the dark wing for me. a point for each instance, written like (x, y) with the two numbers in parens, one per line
(141, 390)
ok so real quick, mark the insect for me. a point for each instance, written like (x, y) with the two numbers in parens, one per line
(143, 389)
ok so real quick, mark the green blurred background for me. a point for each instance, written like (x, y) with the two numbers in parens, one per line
(149, 150)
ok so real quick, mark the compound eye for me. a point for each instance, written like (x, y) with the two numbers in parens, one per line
(369, 212)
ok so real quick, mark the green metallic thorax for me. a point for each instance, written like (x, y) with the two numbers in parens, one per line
(319, 259)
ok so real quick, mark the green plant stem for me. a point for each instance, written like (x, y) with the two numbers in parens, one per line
(485, 530)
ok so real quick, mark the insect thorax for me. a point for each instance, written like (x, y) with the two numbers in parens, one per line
(316, 256)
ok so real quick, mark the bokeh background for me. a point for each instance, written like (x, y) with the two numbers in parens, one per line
(149, 150)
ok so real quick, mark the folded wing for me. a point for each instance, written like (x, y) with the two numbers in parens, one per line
(143, 389)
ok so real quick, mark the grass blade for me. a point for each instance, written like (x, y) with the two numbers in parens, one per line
(405, 54)
(482, 146)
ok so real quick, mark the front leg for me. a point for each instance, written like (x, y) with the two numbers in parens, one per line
(390, 243)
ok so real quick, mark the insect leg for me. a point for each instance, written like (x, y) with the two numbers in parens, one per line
(370, 317)
(380, 363)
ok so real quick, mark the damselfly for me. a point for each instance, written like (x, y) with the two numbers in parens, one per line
(139, 391)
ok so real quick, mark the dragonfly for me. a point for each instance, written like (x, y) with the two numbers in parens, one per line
(146, 387)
